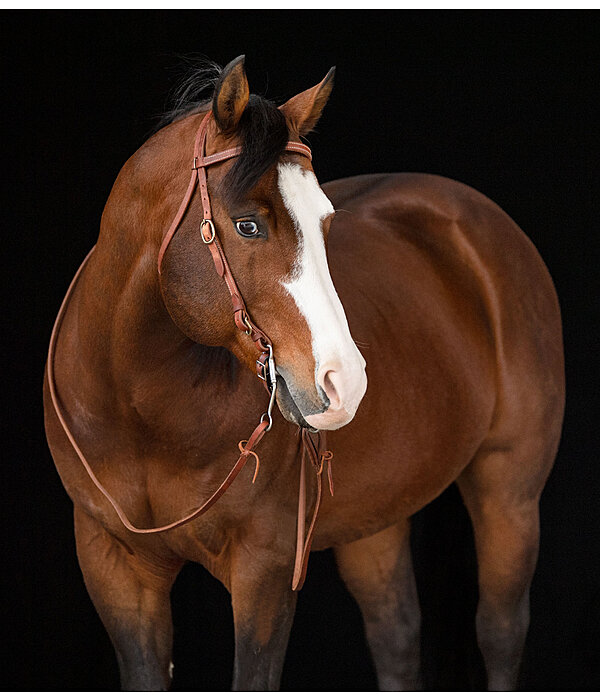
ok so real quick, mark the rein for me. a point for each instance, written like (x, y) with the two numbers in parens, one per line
(265, 365)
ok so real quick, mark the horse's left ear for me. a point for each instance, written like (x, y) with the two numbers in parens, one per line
(304, 110)
(231, 95)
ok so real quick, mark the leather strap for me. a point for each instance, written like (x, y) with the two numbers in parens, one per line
(317, 454)
(199, 164)
(245, 449)
(207, 230)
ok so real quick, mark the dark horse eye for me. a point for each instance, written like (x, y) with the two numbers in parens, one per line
(249, 229)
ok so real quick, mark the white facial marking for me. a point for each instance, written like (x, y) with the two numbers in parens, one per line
(311, 286)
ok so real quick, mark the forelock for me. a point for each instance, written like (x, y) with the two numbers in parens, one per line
(262, 131)
(263, 135)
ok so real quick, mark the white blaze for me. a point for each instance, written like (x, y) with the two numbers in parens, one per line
(311, 286)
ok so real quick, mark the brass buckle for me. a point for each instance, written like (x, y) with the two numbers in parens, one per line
(247, 323)
(212, 230)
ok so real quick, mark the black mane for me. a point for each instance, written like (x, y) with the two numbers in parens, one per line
(262, 130)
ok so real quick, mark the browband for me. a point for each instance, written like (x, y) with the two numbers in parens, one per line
(199, 164)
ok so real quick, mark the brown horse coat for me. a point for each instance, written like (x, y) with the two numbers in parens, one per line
(458, 321)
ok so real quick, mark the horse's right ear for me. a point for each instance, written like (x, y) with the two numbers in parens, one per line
(231, 95)
(303, 110)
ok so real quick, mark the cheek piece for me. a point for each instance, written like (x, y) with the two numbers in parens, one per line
(312, 448)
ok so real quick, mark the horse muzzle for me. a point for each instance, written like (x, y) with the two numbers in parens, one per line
(344, 387)
(333, 401)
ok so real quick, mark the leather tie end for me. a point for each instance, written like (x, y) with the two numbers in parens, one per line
(327, 456)
(246, 453)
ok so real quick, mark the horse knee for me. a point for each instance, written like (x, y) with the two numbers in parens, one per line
(132, 600)
(499, 624)
(378, 573)
(506, 539)
(507, 548)
(263, 610)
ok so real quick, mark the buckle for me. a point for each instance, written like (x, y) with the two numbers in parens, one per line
(247, 323)
(261, 369)
(212, 230)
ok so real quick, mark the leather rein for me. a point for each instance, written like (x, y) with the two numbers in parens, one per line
(314, 449)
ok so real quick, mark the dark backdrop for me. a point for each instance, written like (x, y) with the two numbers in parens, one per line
(506, 102)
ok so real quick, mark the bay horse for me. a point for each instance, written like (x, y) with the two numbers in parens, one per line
(455, 315)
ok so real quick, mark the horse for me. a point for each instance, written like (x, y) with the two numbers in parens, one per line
(456, 375)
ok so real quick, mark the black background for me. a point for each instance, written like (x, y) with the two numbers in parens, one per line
(504, 101)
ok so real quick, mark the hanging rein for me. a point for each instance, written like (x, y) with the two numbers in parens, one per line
(316, 452)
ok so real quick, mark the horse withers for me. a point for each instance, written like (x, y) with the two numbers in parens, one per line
(152, 385)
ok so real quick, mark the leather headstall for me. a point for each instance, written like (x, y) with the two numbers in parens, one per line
(313, 447)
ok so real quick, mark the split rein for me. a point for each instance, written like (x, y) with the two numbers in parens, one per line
(265, 365)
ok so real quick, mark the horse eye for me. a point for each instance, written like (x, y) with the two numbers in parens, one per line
(249, 229)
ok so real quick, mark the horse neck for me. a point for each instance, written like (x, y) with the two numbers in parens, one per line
(121, 283)
(129, 342)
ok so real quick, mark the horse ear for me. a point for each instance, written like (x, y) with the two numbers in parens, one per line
(304, 110)
(231, 95)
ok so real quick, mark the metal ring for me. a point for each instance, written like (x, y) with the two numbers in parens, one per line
(212, 229)
(262, 418)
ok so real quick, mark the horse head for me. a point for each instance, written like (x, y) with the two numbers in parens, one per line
(272, 219)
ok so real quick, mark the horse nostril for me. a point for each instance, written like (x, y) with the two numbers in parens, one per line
(330, 390)
(344, 387)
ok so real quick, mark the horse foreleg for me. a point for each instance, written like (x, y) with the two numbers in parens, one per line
(263, 611)
(378, 572)
(131, 596)
(505, 520)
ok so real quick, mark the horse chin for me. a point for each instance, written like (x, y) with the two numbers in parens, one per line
(288, 407)
(329, 420)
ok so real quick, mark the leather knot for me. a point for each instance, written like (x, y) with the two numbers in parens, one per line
(327, 456)
(242, 448)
